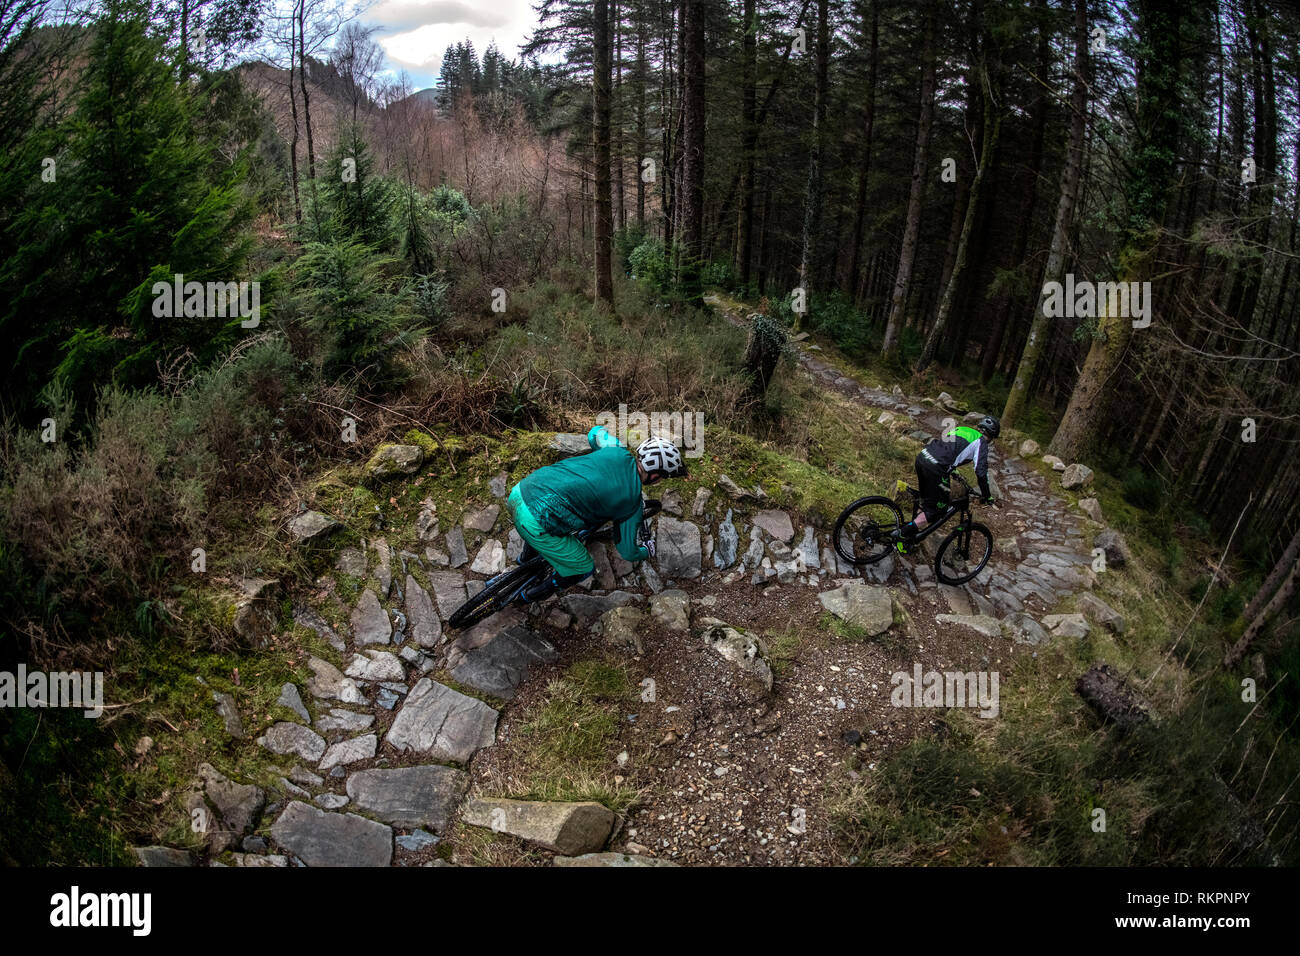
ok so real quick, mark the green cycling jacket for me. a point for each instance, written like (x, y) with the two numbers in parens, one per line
(588, 490)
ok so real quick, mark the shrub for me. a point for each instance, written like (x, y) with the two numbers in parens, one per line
(450, 205)
(97, 526)
(255, 417)
(649, 263)
(718, 275)
(93, 525)
(645, 354)
(1143, 489)
(520, 405)
(837, 318)
(625, 243)
(431, 302)
(358, 304)
(506, 240)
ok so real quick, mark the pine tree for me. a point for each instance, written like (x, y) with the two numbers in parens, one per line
(139, 197)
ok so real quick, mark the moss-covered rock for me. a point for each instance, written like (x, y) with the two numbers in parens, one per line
(392, 461)
(422, 440)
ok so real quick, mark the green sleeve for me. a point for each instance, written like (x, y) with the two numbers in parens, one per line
(627, 546)
(599, 437)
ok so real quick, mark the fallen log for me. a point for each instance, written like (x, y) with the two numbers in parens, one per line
(1111, 698)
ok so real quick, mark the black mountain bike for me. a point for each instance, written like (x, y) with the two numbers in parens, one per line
(872, 527)
(508, 587)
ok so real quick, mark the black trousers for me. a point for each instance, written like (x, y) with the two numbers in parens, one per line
(932, 482)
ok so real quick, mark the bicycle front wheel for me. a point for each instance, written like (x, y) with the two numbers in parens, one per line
(494, 598)
(867, 530)
(963, 554)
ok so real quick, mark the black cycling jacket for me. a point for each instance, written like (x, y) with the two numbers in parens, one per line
(957, 447)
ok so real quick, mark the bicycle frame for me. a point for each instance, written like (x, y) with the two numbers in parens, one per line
(538, 563)
(956, 506)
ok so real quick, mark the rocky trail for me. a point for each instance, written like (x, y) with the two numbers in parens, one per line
(412, 745)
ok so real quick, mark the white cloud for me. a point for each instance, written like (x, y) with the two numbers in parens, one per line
(409, 14)
(415, 33)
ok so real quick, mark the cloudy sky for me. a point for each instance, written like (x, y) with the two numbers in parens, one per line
(414, 33)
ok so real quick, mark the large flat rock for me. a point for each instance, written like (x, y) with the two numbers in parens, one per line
(861, 605)
(777, 524)
(679, 551)
(340, 718)
(980, 623)
(448, 591)
(409, 796)
(312, 527)
(390, 461)
(426, 629)
(442, 723)
(370, 624)
(376, 666)
(1101, 612)
(321, 838)
(1066, 625)
(567, 445)
(1023, 629)
(309, 618)
(570, 829)
(587, 607)
(285, 737)
(499, 666)
(328, 683)
(349, 751)
(237, 803)
(162, 856)
(611, 859)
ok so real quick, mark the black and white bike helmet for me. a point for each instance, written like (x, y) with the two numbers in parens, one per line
(990, 426)
(662, 456)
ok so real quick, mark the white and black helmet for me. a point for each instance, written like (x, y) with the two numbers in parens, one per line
(661, 455)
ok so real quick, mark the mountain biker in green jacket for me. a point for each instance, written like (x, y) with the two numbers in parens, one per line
(553, 503)
(939, 459)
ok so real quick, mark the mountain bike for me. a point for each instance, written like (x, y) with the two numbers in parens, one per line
(872, 527)
(508, 587)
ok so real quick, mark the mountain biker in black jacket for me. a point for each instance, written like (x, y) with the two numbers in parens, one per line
(941, 458)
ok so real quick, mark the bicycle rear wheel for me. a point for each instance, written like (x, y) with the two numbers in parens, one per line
(867, 529)
(495, 597)
(963, 554)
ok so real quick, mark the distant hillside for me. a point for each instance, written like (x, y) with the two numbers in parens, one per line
(330, 95)
(429, 96)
